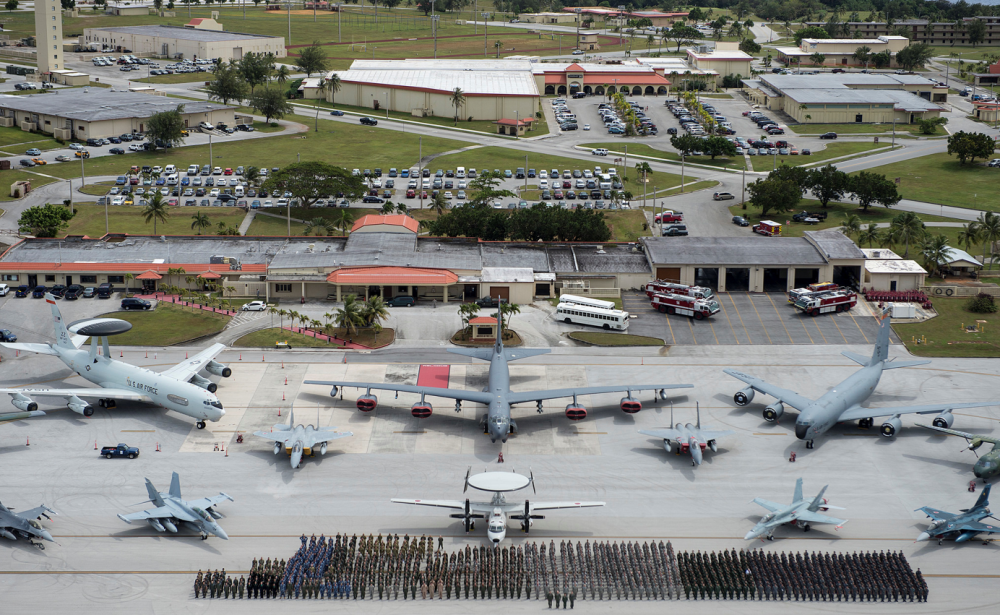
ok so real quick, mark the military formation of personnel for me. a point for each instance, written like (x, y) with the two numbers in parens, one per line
(749, 575)
(394, 568)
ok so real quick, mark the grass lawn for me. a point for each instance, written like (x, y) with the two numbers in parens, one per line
(487, 126)
(836, 214)
(614, 339)
(945, 335)
(176, 78)
(818, 129)
(167, 325)
(269, 225)
(641, 149)
(98, 189)
(266, 338)
(833, 150)
(16, 141)
(688, 187)
(89, 220)
(16, 174)
(347, 144)
(974, 54)
(940, 178)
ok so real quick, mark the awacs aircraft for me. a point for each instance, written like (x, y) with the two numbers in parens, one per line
(987, 465)
(801, 512)
(172, 510)
(25, 524)
(688, 438)
(497, 396)
(179, 388)
(843, 402)
(298, 440)
(962, 526)
(497, 510)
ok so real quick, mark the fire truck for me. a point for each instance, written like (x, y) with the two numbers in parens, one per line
(692, 307)
(818, 287)
(671, 288)
(767, 228)
(829, 301)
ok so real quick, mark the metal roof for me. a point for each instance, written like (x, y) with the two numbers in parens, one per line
(97, 104)
(145, 251)
(184, 34)
(391, 275)
(474, 77)
(893, 266)
(833, 244)
(507, 274)
(709, 251)
(899, 99)
(842, 80)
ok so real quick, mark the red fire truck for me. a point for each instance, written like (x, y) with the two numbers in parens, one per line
(829, 301)
(818, 287)
(692, 307)
(671, 288)
(768, 228)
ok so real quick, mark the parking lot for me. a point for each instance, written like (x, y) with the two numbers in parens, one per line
(757, 319)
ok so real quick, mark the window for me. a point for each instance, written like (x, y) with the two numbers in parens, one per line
(177, 399)
(9, 277)
(50, 278)
(119, 279)
(88, 279)
(282, 288)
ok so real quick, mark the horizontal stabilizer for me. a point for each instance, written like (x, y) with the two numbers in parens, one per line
(898, 364)
(38, 348)
(483, 354)
(513, 354)
(860, 359)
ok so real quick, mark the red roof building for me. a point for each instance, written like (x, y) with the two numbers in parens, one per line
(599, 79)
(397, 223)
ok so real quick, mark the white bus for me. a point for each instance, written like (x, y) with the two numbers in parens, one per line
(575, 314)
(578, 300)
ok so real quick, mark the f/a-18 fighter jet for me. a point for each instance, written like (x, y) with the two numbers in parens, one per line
(801, 512)
(172, 510)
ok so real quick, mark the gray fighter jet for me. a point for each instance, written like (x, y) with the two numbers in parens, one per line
(843, 402)
(497, 397)
(962, 526)
(687, 438)
(172, 510)
(298, 440)
(801, 512)
(25, 524)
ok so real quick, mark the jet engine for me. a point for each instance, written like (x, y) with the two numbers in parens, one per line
(367, 402)
(167, 523)
(630, 405)
(322, 449)
(744, 397)
(156, 525)
(22, 402)
(79, 406)
(712, 444)
(218, 369)
(576, 412)
(891, 426)
(421, 409)
(204, 383)
(668, 445)
(944, 420)
(277, 447)
(773, 412)
(333, 391)
(7, 535)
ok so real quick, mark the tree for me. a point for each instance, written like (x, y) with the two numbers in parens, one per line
(319, 225)
(988, 227)
(157, 4)
(882, 59)
(863, 54)
(976, 31)
(718, 146)
(508, 310)
(774, 195)
(255, 68)
(200, 221)
(871, 235)
(827, 184)
(970, 236)
(929, 126)
(426, 6)
(344, 220)
(44, 220)
(683, 35)
(438, 204)
(874, 189)
(333, 85)
(851, 226)
(935, 251)
(281, 75)
(457, 99)
(349, 317)
(817, 59)
(810, 32)
(313, 59)
(914, 56)
(467, 311)
(695, 15)
(374, 312)
(271, 103)
(164, 128)
(905, 228)
(686, 143)
(227, 84)
(485, 189)
(155, 210)
(968, 146)
(749, 46)
(312, 180)
(499, 46)
(11, 5)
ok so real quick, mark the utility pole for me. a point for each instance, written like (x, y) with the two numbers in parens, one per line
(579, 15)
(682, 172)
(420, 169)
(340, 12)
(486, 27)
(893, 132)
(475, 17)
(210, 157)
(525, 173)
(71, 210)
(289, 7)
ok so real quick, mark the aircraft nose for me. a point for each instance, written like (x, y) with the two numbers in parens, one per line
(924, 536)
(221, 533)
(801, 431)
(750, 535)
(47, 536)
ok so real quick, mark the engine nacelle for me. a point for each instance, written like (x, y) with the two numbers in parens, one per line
(156, 525)
(79, 406)
(630, 405)
(944, 420)
(576, 412)
(367, 402)
(204, 383)
(773, 412)
(668, 445)
(167, 523)
(218, 369)
(277, 447)
(421, 409)
(7, 535)
(322, 449)
(713, 445)
(744, 397)
(334, 391)
(24, 403)
(891, 427)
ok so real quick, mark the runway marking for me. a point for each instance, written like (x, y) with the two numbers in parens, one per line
(740, 316)
(782, 320)
(726, 312)
(818, 330)
(763, 328)
(691, 326)
(838, 329)
(713, 333)
(867, 341)
(409, 432)
(763, 433)
(138, 431)
(673, 340)
(860, 434)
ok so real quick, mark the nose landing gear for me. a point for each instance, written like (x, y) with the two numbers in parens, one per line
(200, 424)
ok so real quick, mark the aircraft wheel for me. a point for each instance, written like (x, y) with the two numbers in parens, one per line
(806, 528)
(201, 424)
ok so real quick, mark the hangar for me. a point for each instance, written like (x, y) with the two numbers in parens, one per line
(201, 39)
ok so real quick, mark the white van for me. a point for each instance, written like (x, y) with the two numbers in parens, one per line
(543, 184)
(460, 173)
(172, 179)
(238, 191)
(170, 169)
(4, 289)
(605, 185)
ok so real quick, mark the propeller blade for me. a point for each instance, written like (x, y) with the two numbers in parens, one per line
(531, 476)
(526, 523)
(467, 473)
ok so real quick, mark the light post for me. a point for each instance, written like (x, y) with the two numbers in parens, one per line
(893, 132)
(517, 125)
(420, 169)
(340, 11)
(475, 18)
(682, 172)
(386, 104)
(434, 24)
(210, 157)
(486, 27)
(579, 15)
(621, 13)
(289, 7)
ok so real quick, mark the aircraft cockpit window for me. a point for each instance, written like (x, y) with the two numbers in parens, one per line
(217, 404)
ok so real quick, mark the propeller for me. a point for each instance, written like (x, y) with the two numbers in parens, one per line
(467, 473)
(531, 479)
(526, 523)
(970, 448)
(468, 518)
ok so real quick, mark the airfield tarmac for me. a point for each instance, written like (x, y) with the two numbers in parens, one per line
(101, 563)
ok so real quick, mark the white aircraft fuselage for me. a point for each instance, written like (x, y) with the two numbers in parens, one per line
(822, 414)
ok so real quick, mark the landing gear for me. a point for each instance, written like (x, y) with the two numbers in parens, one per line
(809, 443)
(107, 403)
(200, 424)
(204, 536)
(866, 423)
(484, 423)
(539, 407)
(513, 427)
(939, 542)
(38, 546)
(770, 537)
(806, 527)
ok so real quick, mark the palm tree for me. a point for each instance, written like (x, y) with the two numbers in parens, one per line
(457, 100)
(499, 46)
(438, 204)
(344, 220)
(155, 209)
(870, 235)
(128, 279)
(935, 252)
(851, 226)
(251, 175)
(863, 54)
(374, 311)
(281, 75)
(315, 325)
(349, 317)
(200, 221)
(281, 316)
(988, 225)
(906, 228)
(333, 85)
(318, 224)
(970, 236)
(321, 90)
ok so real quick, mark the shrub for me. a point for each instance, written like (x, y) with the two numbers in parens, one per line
(983, 303)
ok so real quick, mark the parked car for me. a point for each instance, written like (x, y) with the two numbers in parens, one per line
(723, 196)
(73, 292)
(254, 306)
(488, 302)
(38, 292)
(22, 291)
(7, 336)
(400, 301)
(89, 292)
(740, 221)
(133, 303)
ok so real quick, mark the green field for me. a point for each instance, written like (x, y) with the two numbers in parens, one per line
(540, 126)
(98, 189)
(946, 336)
(845, 129)
(940, 178)
(16, 141)
(176, 78)
(614, 339)
(266, 338)
(16, 174)
(167, 325)
(89, 220)
(641, 149)
(837, 213)
(833, 150)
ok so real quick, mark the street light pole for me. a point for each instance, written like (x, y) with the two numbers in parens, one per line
(682, 172)
(420, 169)
(386, 104)
(486, 27)
(340, 12)
(289, 6)
(579, 15)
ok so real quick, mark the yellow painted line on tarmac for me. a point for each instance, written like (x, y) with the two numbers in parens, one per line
(740, 316)
(726, 312)
(763, 433)
(867, 341)
(590, 433)
(409, 432)
(138, 431)
(763, 328)
(691, 326)
(818, 330)
(838, 328)
(673, 340)
(782, 320)
(713, 333)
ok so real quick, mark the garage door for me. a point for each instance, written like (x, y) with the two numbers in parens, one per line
(500, 292)
(669, 274)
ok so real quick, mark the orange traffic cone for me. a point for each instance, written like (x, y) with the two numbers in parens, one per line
(27, 442)
(261, 358)
(241, 356)
(185, 355)
(95, 445)
(286, 380)
(121, 353)
(282, 396)
(157, 447)
(282, 365)
(147, 354)
(279, 414)
(227, 452)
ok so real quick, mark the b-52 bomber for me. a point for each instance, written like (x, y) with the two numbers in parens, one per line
(687, 438)
(497, 397)
(298, 440)
(179, 388)
(842, 403)
(172, 510)
(25, 524)
(962, 526)
(801, 512)
(988, 465)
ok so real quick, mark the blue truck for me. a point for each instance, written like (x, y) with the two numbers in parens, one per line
(122, 450)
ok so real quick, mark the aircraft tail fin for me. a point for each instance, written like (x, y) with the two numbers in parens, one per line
(818, 500)
(797, 496)
(984, 498)
(697, 409)
(63, 339)
(154, 496)
(499, 343)
(881, 351)
(175, 485)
